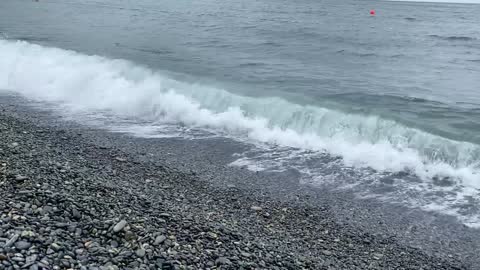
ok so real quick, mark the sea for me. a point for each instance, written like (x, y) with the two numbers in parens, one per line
(384, 105)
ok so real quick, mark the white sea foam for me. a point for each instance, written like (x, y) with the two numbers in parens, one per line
(96, 84)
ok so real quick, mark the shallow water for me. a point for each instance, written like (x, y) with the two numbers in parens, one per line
(387, 105)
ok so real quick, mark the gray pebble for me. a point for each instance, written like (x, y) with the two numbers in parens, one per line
(30, 260)
(55, 246)
(11, 241)
(76, 214)
(119, 226)
(18, 259)
(114, 244)
(327, 252)
(222, 261)
(164, 215)
(159, 239)
(129, 236)
(140, 252)
(20, 178)
(21, 245)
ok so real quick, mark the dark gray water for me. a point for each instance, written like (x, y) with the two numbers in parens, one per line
(388, 105)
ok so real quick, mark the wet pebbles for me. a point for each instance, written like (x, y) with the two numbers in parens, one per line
(66, 203)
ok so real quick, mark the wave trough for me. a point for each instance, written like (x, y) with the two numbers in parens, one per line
(97, 84)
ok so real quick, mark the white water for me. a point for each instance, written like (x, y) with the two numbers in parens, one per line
(96, 84)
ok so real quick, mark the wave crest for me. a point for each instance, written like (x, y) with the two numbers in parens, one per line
(95, 83)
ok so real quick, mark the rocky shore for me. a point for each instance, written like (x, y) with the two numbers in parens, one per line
(67, 203)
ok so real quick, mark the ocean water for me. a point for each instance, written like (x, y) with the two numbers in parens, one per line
(387, 106)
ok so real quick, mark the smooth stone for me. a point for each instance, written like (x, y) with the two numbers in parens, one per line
(119, 226)
(159, 239)
(30, 260)
(327, 252)
(130, 236)
(55, 246)
(12, 240)
(126, 254)
(222, 261)
(76, 214)
(21, 245)
(45, 262)
(18, 259)
(65, 263)
(109, 267)
(377, 256)
(28, 234)
(245, 254)
(20, 178)
(140, 252)
(256, 208)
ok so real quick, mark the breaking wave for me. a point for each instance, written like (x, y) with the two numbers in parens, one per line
(97, 84)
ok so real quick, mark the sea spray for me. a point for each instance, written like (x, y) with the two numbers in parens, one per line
(125, 89)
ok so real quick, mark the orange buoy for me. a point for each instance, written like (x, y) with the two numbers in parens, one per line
(372, 12)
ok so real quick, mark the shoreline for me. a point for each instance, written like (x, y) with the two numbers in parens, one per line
(66, 191)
